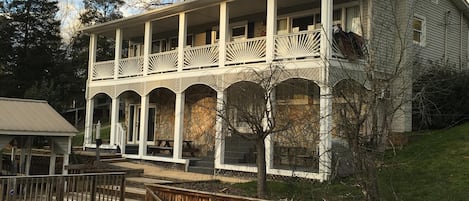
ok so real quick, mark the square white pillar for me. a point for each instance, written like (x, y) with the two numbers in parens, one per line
(181, 40)
(325, 132)
(271, 29)
(178, 125)
(326, 32)
(147, 47)
(114, 121)
(88, 121)
(142, 144)
(92, 56)
(219, 135)
(117, 52)
(223, 29)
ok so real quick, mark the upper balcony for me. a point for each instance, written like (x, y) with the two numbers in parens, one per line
(216, 34)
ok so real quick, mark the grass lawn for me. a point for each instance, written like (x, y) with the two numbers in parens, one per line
(78, 139)
(434, 166)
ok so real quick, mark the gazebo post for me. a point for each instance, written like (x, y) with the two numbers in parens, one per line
(53, 156)
(29, 156)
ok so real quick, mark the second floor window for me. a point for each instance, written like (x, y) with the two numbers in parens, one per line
(418, 26)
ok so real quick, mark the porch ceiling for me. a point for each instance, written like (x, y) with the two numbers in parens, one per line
(199, 12)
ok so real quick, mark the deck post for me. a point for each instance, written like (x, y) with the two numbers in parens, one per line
(271, 27)
(117, 52)
(224, 24)
(114, 120)
(181, 40)
(142, 148)
(147, 42)
(178, 125)
(219, 137)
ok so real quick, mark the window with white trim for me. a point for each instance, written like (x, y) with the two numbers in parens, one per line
(418, 26)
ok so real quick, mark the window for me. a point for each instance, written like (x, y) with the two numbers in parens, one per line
(418, 26)
(353, 20)
(239, 32)
(301, 23)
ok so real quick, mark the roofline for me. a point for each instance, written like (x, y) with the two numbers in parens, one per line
(22, 100)
(157, 13)
(38, 133)
(463, 6)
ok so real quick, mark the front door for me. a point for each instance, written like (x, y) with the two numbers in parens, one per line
(133, 136)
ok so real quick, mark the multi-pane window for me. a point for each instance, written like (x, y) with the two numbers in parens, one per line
(418, 26)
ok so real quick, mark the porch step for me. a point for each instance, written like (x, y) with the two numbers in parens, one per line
(202, 170)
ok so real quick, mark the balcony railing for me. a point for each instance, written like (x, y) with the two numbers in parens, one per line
(246, 51)
(103, 70)
(293, 46)
(201, 56)
(163, 62)
(130, 67)
(304, 44)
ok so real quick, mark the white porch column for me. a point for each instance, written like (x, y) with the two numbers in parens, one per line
(66, 159)
(325, 129)
(53, 157)
(117, 52)
(181, 39)
(326, 32)
(91, 56)
(223, 29)
(271, 29)
(269, 140)
(178, 125)
(219, 136)
(142, 144)
(114, 121)
(88, 121)
(147, 47)
(28, 155)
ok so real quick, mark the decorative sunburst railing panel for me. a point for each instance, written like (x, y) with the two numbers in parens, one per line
(103, 70)
(246, 51)
(163, 62)
(201, 56)
(130, 67)
(304, 44)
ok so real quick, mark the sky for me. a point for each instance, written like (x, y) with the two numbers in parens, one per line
(70, 12)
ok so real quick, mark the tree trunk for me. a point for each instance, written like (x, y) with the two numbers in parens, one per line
(261, 168)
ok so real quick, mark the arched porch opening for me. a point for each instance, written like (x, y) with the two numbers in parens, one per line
(199, 121)
(245, 107)
(297, 116)
(128, 104)
(161, 117)
(102, 115)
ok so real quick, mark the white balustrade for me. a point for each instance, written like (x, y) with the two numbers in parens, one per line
(201, 56)
(163, 62)
(250, 50)
(130, 67)
(298, 45)
(103, 70)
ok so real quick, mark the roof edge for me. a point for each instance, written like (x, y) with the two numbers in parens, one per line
(22, 100)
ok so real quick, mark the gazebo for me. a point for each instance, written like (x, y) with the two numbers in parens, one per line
(22, 121)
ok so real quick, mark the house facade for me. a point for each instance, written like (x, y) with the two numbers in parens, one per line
(176, 66)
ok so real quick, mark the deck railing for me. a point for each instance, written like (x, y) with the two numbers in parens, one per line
(201, 56)
(103, 70)
(300, 45)
(130, 67)
(95, 187)
(163, 62)
(303, 44)
(245, 51)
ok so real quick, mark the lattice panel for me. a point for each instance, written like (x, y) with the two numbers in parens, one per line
(103, 70)
(131, 67)
(201, 56)
(298, 45)
(245, 51)
(162, 62)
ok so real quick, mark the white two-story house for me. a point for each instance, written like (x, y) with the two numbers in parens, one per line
(174, 66)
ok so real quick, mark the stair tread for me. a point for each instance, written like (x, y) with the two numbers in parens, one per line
(147, 180)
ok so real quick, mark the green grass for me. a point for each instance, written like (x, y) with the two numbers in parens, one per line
(78, 139)
(434, 166)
